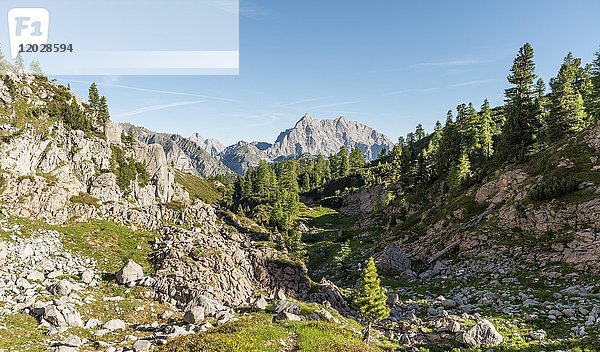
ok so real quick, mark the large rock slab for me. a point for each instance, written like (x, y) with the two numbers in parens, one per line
(393, 260)
(130, 272)
(481, 334)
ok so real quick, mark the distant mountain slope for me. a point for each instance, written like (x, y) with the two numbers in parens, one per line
(242, 156)
(211, 145)
(184, 154)
(312, 137)
(208, 157)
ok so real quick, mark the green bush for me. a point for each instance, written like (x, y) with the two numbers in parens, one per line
(554, 187)
(128, 169)
(85, 198)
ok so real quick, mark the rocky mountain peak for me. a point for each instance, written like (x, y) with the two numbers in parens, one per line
(311, 136)
(210, 145)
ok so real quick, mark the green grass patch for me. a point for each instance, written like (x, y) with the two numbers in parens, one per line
(199, 188)
(110, 244)
(257, 333)
(22, 334)
(326, 218)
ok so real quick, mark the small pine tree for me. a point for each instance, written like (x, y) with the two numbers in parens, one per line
(567, 113)
(459, 173)
(371, 298)
(344, 253)
(593, 106)
(103, 114)
(19, 62)
(94, 97)
(2, 63)
(36, 68)
(344, 163)
(486, 141)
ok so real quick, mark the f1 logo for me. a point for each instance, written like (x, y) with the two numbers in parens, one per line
(27, 26)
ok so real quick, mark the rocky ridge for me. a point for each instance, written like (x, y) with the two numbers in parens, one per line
(312, 137)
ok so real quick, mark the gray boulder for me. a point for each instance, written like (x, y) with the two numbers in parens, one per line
(393, 259)
(87, 276)
(114, 324)
(260, 303)
(286, 316)
(194, 315)
(61, 288)
(211, 308)
(62, 316)
(142, 346)
(286, 306)
(72, 341)
(481, 334)
(223, 317)
(130, 272)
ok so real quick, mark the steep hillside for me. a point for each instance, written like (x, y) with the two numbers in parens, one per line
(519, 247)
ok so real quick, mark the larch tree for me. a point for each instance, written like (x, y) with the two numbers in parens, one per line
(357, 159)
(486, 135)
(567, 114)
(519, 131)
(94, 97)
(36, 68)
(458, 174)
(19, 62)
(344, 162)
(103, 114)
(593, 106)
(371, 298)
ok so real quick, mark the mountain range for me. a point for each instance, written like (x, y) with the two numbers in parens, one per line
(308, 138)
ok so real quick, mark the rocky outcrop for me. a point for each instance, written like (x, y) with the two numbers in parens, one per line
(551, 217)
(313, 137)
(212, 262)
(364, 201)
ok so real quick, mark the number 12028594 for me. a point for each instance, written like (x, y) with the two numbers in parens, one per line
(45, 48)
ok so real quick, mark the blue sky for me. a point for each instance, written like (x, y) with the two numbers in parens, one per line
(387, 63)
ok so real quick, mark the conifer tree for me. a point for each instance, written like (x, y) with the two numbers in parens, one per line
(344, 163)
(458, 174)
(2, 63)
(36, 68)
(420, 132)
(519, 130)
(450, 146)
(486, 140)
(94, 97)
(344, 253)
(19, 62)
(567, 113)
(593, 104)
(371, 298)
(357, 159)
(103, 114)
(322, 171)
